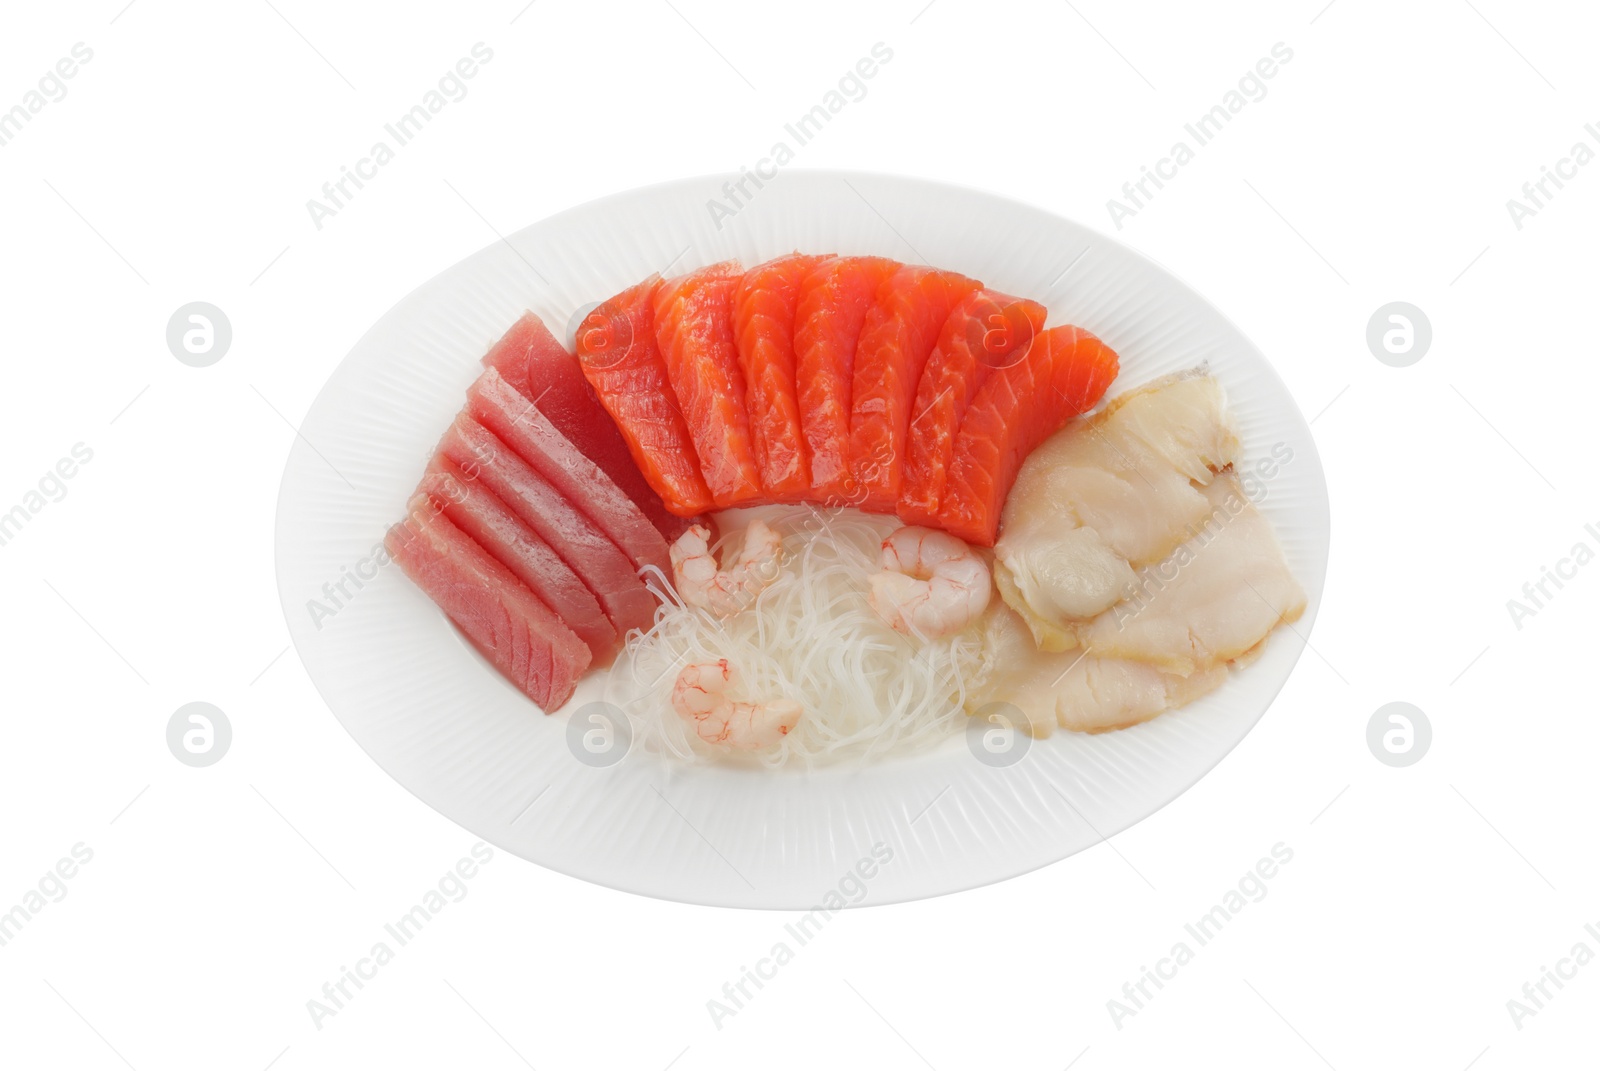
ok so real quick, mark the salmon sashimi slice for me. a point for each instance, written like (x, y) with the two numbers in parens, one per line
(524, 427)
(482, 455)
(521, 636)
(475, 509)
(897, 336)
(536, 364)
(987, 330)
(832, 304)
(1065, 372)
(763, 325)
(617, 349)
(694, 330)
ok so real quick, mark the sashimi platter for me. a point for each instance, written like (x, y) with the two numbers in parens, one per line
(885, 523)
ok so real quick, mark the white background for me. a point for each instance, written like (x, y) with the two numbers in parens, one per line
(220, 900)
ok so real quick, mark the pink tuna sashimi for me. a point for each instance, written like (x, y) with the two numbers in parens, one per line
(512, 354)
(536, 364)
(475, 510)
(481, 455)
(524, 427)
(520, 635)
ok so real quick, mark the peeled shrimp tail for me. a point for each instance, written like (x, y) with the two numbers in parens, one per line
(700, 698)
(753, 726)
(727, 590)
(932, 585)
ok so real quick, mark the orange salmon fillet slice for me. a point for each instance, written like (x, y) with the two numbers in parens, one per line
(1065, 372)
(694, 331)
(987, 330)
(763, 325)
(831, 306)
(896, 338)
(616, 346)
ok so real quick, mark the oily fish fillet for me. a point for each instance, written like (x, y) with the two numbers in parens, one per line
(897, 336)
(831, 307)
(763, 325)
(1065, 372)
(617, 350)
(1108, 495)
(694, 332)
(1209, 605)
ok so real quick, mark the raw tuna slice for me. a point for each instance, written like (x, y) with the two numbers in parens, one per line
(481, 455)
(763, 325)
(520, 635)
(617, 349)
(475, 510)
(694, 329)
(829, 311)
(898, 335)
(523, 426)
(1064, 373)
(987, 330)
(511, 355)
(532, 361)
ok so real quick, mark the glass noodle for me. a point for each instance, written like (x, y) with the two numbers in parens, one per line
(810, 636)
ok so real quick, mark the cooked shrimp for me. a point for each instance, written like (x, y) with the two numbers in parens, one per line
(700, 698)
(933, 584)
(728, 590)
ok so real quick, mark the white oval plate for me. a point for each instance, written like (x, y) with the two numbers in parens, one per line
(443, 724)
